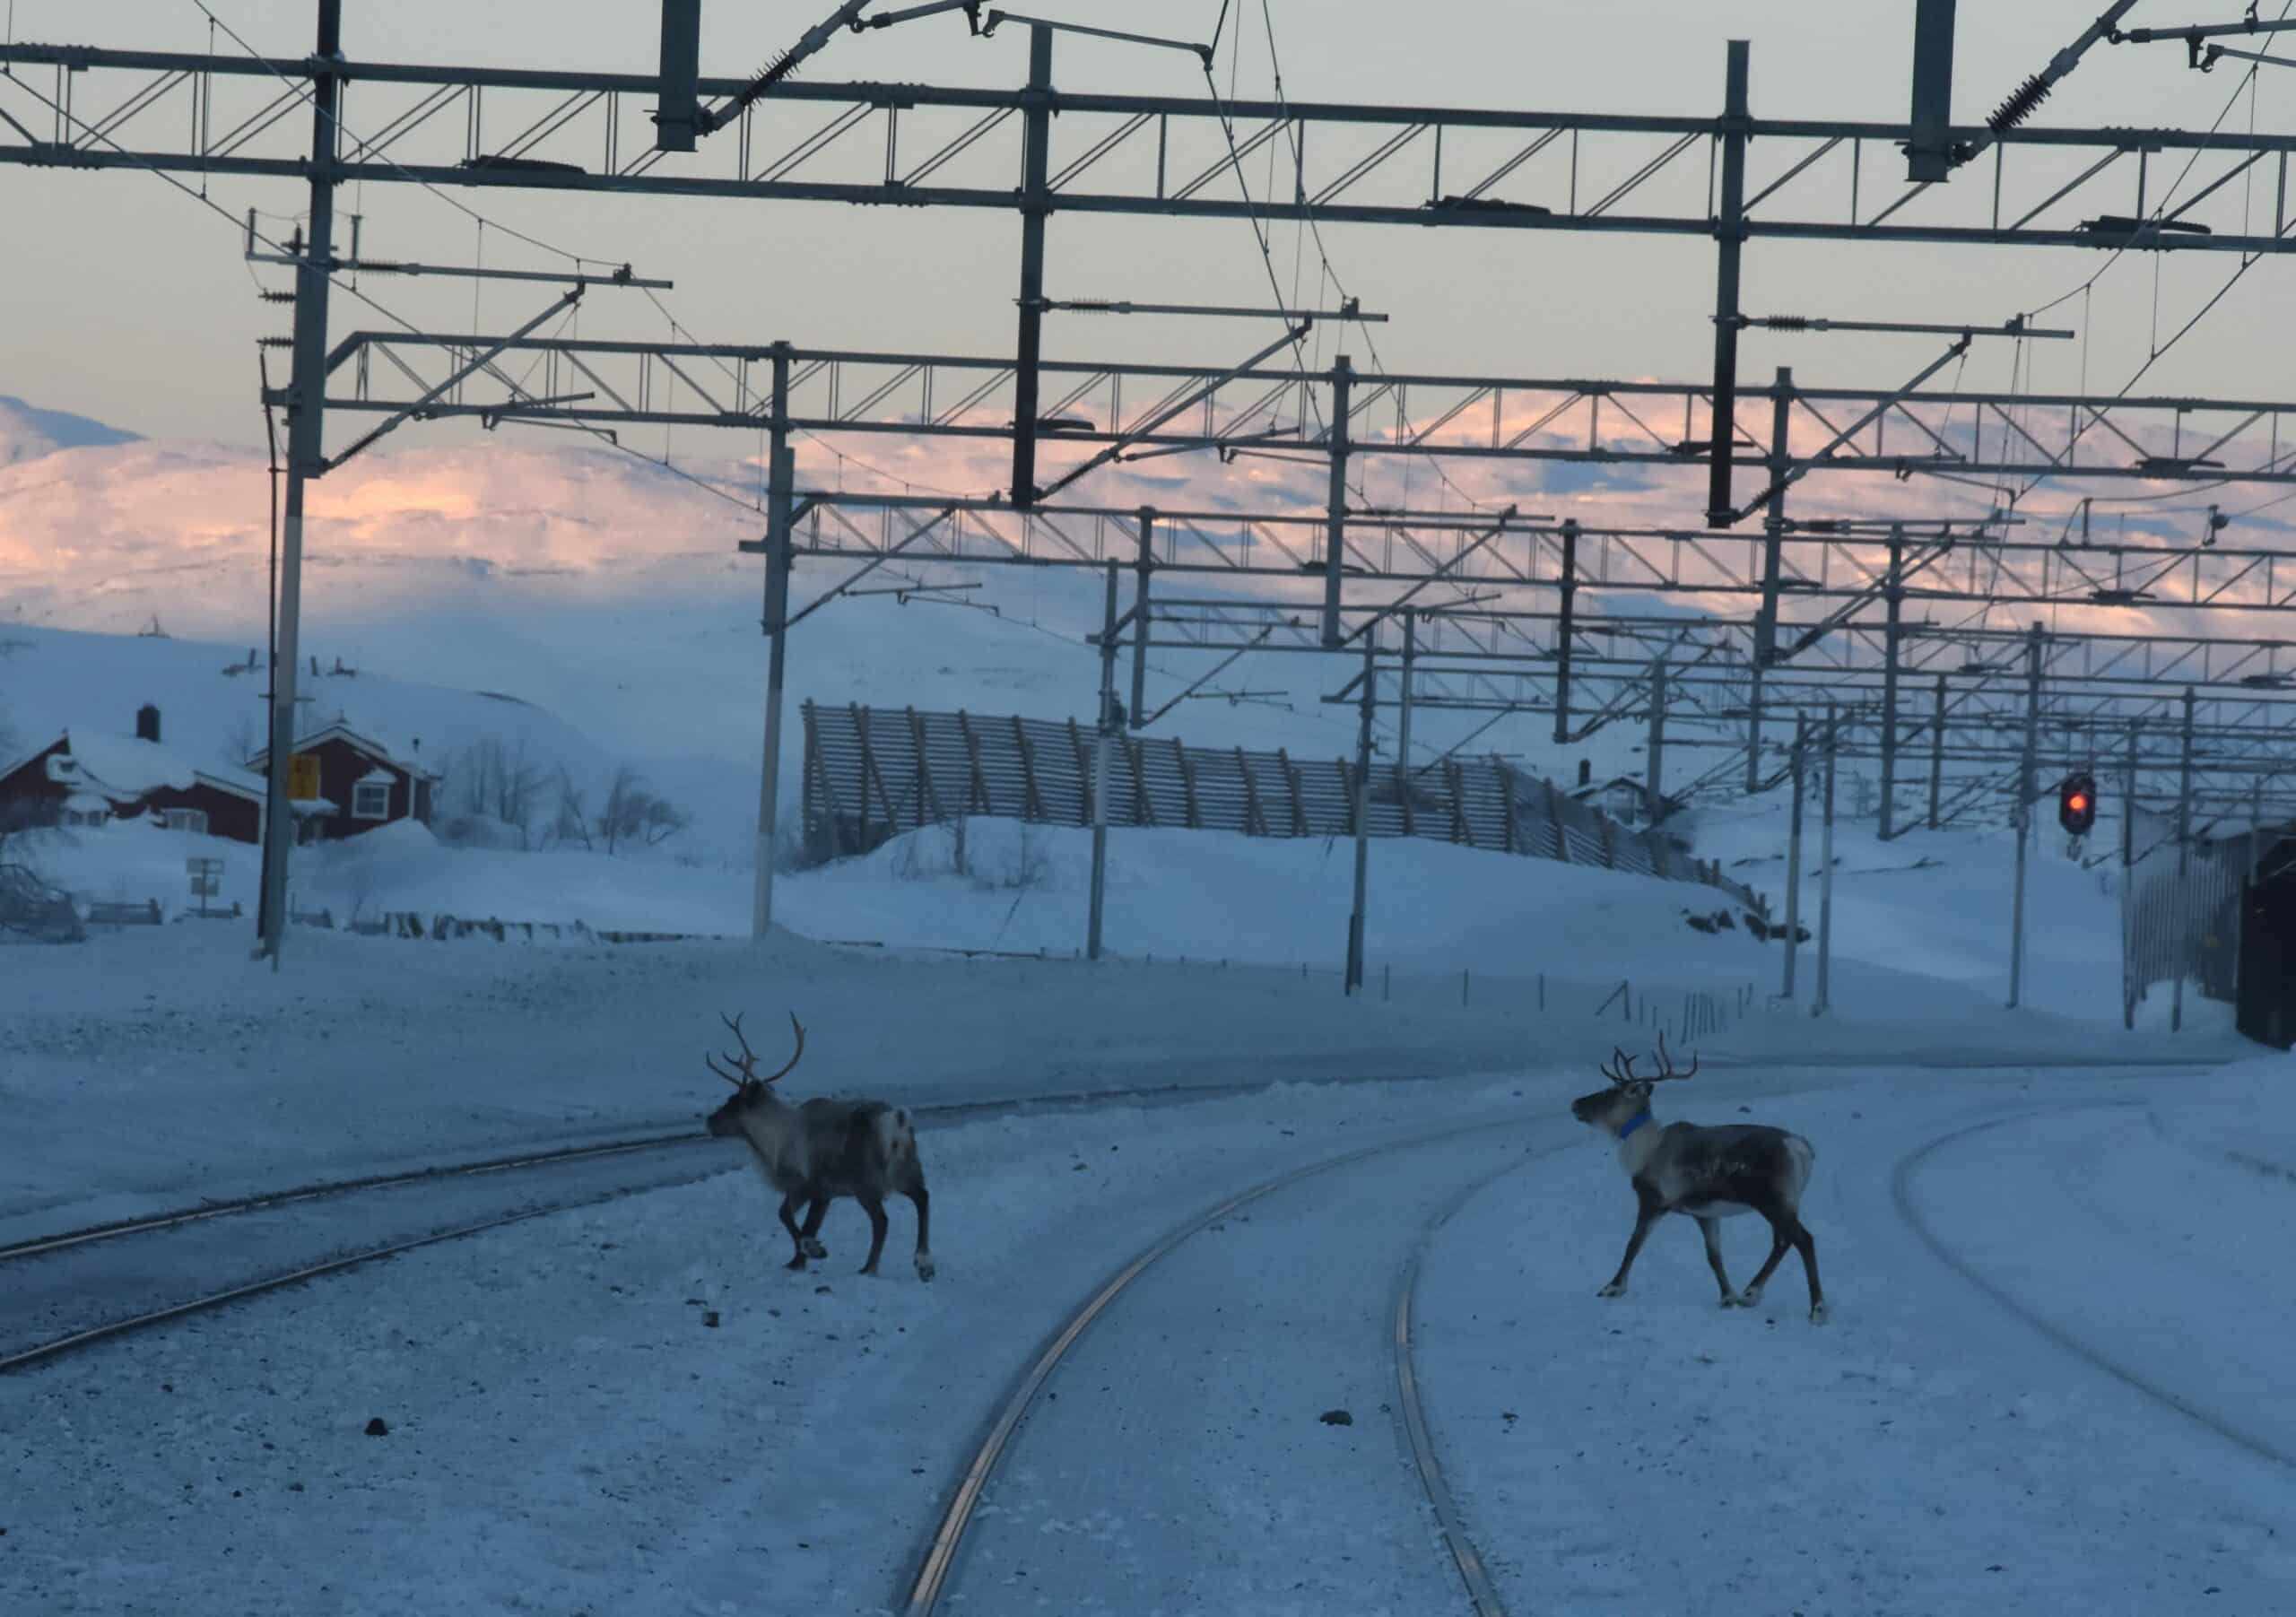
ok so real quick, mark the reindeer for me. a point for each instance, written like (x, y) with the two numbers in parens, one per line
(820, 1150)
(1708, 1174)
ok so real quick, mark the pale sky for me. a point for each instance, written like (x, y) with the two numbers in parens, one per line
(128, 303)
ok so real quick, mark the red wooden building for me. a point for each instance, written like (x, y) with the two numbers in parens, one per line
(84, 777)
(343, 783)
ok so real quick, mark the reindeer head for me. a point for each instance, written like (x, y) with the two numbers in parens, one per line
(1614, 1109)
(750, 1091)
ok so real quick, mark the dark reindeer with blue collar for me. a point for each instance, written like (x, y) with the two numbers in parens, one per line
(1705, 1173)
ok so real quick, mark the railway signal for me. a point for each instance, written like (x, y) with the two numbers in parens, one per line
(2076, 804)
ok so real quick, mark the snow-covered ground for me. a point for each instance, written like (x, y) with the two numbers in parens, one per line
(568, 1431)
(2053, 1382)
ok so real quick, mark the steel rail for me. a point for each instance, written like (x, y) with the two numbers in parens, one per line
(947, 1111)
(1901, 1194)
(1480, 1592)
(264, 1202)
(931, 1580)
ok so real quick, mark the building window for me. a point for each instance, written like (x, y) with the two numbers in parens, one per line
(370, 800)
(192, 820)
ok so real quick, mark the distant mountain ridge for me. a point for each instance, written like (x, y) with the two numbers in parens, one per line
(28, 433)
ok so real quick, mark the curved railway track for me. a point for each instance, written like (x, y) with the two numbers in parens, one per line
(924, 1592)
(1901, 1194)
(97, 1242)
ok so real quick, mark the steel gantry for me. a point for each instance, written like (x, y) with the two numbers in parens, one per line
(1039, 152)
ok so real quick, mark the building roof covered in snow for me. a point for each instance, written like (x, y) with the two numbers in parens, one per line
(121, 767)
(365, 741)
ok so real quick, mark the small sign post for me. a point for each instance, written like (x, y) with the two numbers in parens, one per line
(206, 882)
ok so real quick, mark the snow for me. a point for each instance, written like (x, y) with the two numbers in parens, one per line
(126, 770)
(1927, 1451)
(565, 1431)
(2051, 1247)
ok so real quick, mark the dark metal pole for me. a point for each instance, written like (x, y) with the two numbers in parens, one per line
(1825, 874)
(2184, 870)
(2128, 887)
(1036, 209)
(1778, 462)
(1655, 785)
(1362, 809)
(1568, 587)
(2024, 815)
(1103, 746)
(1893, 596)
(1730, 235)
(781, 481)
(1937, 754)
(1794, 857)
(1140, 570)
(1928, 157)
(1342, 388)
(306, 460)
(1403, 717)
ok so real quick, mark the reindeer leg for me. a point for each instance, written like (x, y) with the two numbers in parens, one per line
(789, 1222)
(1808, 1248)
(874, 1206)
(1711, 1228)
(923, 1205)
(1783, 1223)
(1649, 1215)
(813, 1217)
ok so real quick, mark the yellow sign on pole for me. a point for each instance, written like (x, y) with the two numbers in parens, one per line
(303, 777)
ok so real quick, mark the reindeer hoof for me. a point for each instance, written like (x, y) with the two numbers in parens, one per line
(866, 1269)
(813, 1248)
(1613, 1290)
(924, 1268)
(1735, 1302)
(1750, 1298)
(1818, 1315)
(798, 1262)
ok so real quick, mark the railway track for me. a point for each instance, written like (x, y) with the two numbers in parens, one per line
(59, 1312)
(933, 1581)
(1901, 1193)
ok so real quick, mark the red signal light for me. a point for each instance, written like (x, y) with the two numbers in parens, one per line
(2078, 803)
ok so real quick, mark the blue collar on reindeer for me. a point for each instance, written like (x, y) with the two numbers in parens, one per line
(1635, 1122)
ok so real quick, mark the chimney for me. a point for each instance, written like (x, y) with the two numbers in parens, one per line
(1586, 772)
(147, 723)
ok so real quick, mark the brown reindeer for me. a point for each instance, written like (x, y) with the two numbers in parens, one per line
(1705, 1173)
(819, 1150)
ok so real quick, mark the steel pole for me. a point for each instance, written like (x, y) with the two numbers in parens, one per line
(2128, 887)
(1403, 711)
(781, 482)
(2025, 817)
(1825, 876)
(1655, 785)
(1103, 745)
(1893, 596)
(1777, 463)
(1794, 858)
(2184, 870)
(306, 460)
(1139, 590)
(1568, 587)
(1362, 810)
(1730, 239)
(1342, 388)
(1036, 210)
(1937, 754)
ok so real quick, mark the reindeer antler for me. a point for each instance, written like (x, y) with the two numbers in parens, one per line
(746, 1062)
(1666, 1066)
(1623, 1074)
